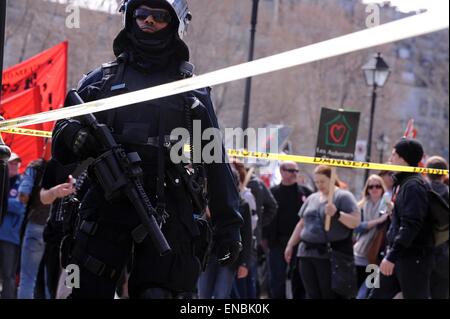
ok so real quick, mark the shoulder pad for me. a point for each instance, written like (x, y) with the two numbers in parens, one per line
(109, 69)
(111, 64)
(94, 76)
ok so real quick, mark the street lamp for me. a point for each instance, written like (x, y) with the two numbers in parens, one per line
(376, 72)
(248, 84)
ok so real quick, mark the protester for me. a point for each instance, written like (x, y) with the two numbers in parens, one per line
(10, 231)
(244, 287)
(217, 280)
(314, 263)
(371, 231)
(36, 216)
(439, 277)
(266, 209)
(290, 197)
(408, 262)
(57, 184)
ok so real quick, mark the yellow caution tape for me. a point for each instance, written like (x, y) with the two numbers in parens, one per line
(333, 162)
(28, 132)
(393, 31)
(430, 21)
(285, 157)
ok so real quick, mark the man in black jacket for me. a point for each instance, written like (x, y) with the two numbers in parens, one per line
(266, 209)
(408, 262)
(290, 197)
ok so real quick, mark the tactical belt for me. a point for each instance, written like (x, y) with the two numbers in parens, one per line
(151, 141)
(92, 229)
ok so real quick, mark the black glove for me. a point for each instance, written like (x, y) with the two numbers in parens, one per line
(228, 247)
(84, 144)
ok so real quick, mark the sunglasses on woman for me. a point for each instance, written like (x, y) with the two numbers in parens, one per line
(374, 186)
(159, 16)
(291, 170)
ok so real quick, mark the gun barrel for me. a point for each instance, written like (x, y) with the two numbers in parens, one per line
(148, 221)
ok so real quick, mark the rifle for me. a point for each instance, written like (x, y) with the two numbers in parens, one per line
(118, 172)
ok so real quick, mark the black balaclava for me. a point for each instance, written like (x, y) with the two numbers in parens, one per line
(151, 51)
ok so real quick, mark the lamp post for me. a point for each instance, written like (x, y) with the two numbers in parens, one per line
(382, 146)
(376, 73)
(248, 84)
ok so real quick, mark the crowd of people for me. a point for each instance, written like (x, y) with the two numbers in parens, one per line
(284, 240)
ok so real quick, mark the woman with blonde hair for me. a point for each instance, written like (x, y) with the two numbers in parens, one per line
(375, 209)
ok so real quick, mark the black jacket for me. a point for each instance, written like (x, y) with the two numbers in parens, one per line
(410, 233)
(134, 124)
(246, 234)
(266, 205)
(289, 199)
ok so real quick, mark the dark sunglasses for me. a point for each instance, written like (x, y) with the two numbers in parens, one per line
(291, 170)
(374, 186)
(159, 16)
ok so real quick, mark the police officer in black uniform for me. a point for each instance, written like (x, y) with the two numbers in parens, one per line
(149, 52)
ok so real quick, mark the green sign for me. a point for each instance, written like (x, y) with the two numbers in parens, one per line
(338, 131)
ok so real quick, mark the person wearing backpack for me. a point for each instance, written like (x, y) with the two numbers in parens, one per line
(409, 258)
(439, 276)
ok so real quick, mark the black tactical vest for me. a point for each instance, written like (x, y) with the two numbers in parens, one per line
(135, 125)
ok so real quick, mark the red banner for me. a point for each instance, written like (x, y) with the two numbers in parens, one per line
(48, 71)
(27, 147)
(32, 86)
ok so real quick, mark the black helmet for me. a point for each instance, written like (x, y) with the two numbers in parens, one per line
(178, 9)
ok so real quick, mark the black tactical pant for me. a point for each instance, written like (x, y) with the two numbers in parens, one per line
(316, 276)
(411, 277)
(104, 246)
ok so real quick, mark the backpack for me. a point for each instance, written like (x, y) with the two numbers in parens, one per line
(438, 211)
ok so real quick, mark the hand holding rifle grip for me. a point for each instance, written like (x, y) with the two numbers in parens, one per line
(115, 169)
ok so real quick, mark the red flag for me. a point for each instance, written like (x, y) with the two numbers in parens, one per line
(48, 71)
(27, 147)
(35, 85)
(410, 131)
